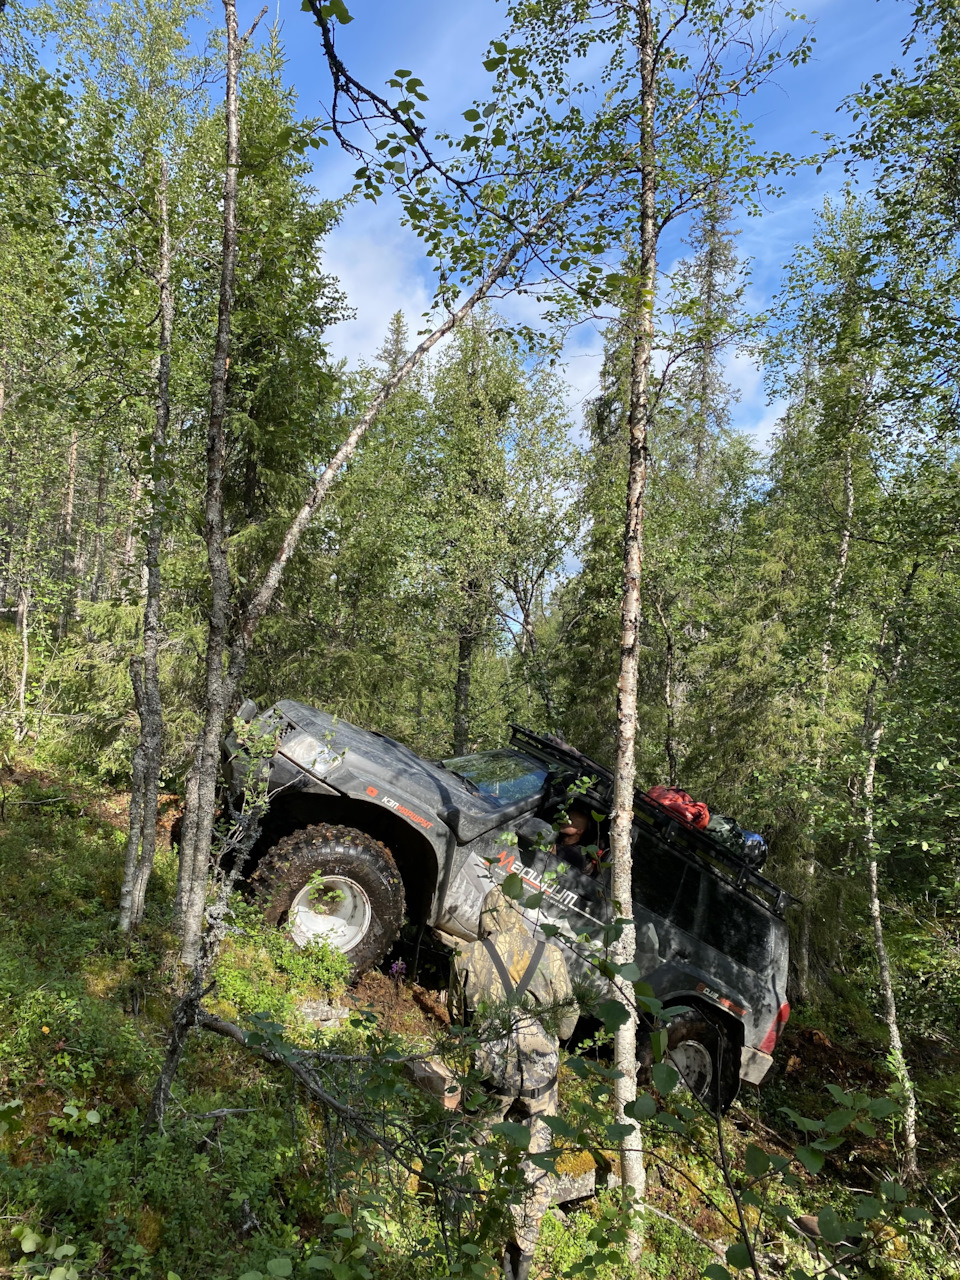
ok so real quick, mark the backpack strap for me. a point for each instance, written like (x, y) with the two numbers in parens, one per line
(531, 968)
(500, 967)
(521, 989)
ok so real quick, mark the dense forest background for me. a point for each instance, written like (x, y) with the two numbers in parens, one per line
(799, 634)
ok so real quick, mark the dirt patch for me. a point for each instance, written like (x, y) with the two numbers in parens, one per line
(403, 1008)
(810, 1058)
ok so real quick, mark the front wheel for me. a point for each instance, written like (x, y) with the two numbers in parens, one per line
(334, 884)
(705, 1056)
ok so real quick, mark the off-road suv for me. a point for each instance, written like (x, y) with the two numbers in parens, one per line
(362, 834)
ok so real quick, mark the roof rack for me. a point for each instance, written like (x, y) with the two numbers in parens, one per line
(667, 824)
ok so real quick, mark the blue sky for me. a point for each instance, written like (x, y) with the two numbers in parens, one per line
(381, 265)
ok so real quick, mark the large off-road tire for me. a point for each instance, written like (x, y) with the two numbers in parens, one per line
(334, 883)
(705, 1055)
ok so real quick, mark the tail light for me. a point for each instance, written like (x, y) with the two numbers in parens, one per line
(769, 1041)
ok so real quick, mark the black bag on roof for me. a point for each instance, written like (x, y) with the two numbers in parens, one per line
(756, 853)
(726, 831)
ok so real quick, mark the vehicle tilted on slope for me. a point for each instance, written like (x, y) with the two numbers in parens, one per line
(362, 834)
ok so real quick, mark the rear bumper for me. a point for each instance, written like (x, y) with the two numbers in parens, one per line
(754, 1065)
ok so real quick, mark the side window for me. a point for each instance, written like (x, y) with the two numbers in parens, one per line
(665, 883)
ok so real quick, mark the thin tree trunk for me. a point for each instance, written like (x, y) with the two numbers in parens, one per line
(220, 685)
(142, 839)
(669, 738)
(872, 733)
(625, 1039)
(66, 562)
(130, 538)
(96, 585)
(833, 598)
(898, 1059)
(23, 618)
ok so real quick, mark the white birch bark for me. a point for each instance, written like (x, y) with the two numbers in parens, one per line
(624, 950)
(145, 672)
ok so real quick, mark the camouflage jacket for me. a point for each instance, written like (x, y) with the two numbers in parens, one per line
(518, 1055)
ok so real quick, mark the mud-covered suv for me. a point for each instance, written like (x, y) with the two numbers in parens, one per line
(363, 834)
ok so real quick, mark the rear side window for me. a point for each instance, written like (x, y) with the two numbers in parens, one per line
(702, 905)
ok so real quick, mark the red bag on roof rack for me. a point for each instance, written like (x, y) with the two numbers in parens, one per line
(693, 811)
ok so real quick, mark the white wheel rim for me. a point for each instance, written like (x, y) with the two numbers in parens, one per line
(335, 910)
(695, 1065)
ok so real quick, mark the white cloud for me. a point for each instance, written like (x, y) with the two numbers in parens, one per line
(380, 267)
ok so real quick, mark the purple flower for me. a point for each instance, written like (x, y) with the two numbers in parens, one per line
(397, 970)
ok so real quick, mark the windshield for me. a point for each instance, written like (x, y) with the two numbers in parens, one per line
(502, 775)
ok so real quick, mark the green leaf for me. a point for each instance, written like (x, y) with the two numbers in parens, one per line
(280, 1267)
(838, 1120)
(252, 1275)
(738, 1256)
(756, 1161)
(914, 1214)
(868, 1207)
(338, 10)
(93, 1117)
(642, 1108)
(613, 1014)
(831, 1228)
(811, 1159)
(880, 1108)
(665, 1076)
(491, 64)
(30, 1242)
(518, 1135)
(828, 1144)
(471, 115)
(715, 1272)
(318, 1262)
(513, 887)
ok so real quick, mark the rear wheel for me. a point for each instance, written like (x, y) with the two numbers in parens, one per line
(706, 1057)
(335, 884)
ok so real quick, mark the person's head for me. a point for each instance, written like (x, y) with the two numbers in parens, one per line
(575, 828)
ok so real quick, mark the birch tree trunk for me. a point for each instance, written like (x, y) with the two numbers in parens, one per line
(130, 539)
(810, 867)
(145, 671)
(96, 584)
(910, 1168)
(198, 818)
(23, 618)
(67, 559)
(624, 950)
(872, 732)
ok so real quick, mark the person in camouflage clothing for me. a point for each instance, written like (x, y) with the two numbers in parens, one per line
(509, 985)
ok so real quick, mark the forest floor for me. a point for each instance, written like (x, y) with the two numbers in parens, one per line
(246, 1173)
